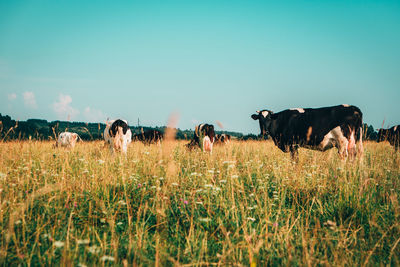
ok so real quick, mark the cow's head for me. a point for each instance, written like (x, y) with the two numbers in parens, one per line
(382, 135)
(264, 118)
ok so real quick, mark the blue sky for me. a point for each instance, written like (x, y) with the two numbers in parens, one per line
(208, 60)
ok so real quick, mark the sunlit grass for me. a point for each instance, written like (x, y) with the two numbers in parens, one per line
(245, 203)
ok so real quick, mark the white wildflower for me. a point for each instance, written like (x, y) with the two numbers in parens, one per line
(93, 249)
(121, 202)
(208, 186)
(46, 236)
(204, 219)
(82, 242)
(251, 219)
(107, 258)
(58, 244)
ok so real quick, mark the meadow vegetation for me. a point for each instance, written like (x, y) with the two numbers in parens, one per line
(246, 204)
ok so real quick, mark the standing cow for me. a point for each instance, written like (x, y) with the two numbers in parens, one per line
(392, 135)
(118, 135)
(314, 128)
(148, 137)
(203, 137)
(67, 139)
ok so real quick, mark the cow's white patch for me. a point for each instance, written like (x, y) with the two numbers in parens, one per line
(300, 110)
(207, 144)
(265, 113)
(345, 105)
(334, 138)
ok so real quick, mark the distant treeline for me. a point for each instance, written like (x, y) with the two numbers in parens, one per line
(43, 130)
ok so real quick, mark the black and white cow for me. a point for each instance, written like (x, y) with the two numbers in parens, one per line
(392, 135)
(149, 136)
(314, 128)
(118, 135)
(204, 137)
(222, 138)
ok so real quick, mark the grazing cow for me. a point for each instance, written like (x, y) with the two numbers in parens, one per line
(319, 129)
(222, 138)
(392, 135)
(67, 139)
(149, 137)
(203, 137)
(118, 135)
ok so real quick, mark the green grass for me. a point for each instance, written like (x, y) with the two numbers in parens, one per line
(247, 203)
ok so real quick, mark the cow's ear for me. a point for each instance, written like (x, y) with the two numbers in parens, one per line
(255, 116)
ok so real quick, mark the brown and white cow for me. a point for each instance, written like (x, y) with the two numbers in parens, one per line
(67, 139)
(222, 138)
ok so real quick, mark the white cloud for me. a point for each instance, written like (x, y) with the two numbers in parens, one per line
(93, 115)
(30, 100)
(12, 96)
(63, 108)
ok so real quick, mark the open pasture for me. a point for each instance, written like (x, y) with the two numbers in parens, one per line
(247, 203)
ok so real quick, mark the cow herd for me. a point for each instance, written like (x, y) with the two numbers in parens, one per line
(313, 128)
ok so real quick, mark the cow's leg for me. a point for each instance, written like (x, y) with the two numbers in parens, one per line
(124, 145)
(351, 145)
(342, 148)
(294, 153)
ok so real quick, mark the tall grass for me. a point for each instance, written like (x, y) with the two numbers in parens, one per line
(247, 203)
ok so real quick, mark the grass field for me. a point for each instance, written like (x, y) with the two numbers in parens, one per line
(246, 204)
